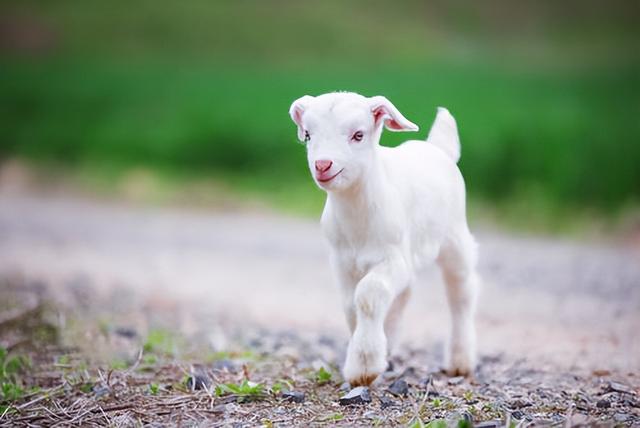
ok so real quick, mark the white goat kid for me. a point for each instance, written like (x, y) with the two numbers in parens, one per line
(390, 211)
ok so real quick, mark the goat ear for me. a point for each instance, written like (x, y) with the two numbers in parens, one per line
(297, 109)
(384, 111)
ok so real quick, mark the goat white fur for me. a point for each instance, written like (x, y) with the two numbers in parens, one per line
(390, 211)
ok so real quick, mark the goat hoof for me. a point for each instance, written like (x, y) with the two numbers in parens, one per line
(363, 380)
(457, 371)
(460, 368)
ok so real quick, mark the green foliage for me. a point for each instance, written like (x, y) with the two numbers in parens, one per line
(534, 138)
(436, 402)
(154, 388)
(281, 385)
(64, 359)
(86, 387)
(437, 423)
(118, 364)
(149, 359)
(245, 391)
(333, 417)
(160, 341)
(416, 423)
(10, 367)
(247, 355)
(322, 376)
(10, 391)
(465, 423)
(204, 90)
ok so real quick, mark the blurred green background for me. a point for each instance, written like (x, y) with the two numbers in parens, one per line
(546, 93)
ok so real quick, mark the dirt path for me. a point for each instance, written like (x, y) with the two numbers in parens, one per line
(570, 305)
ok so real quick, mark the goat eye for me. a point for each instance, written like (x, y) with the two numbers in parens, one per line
(357, 136)
(307, 137)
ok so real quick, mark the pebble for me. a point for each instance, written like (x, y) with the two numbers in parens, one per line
(517, 415)
(409, 372)
(489, 424)
(386, 402)
(621, 417)
(390, 366)
(519, 404)
(603, 404)
(456, 380)
(620, 387)
(225, 364)
(578, 419)
(399, 388)
(345, 387)
(293, 396)
(220, 408)
(427, 381)
(101, 390)
(327, 341)
(126, 332)
(358, 395)
(198, 382)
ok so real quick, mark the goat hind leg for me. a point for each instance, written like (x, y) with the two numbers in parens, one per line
(458, 259)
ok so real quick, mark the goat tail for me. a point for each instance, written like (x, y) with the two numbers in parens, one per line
(444, 134)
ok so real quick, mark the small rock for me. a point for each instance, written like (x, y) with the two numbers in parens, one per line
(409, 372)
(386, 402)
(101, 390)
(126, 332)
(327, 341)
(621, 417)
(293, 396)
(198, 381)
(256, 343)
(288, 351)
(579, 419)
(603, 404)
(517, 415)
(220, 408)
(390, 366)
(619, 387)
(225, 364)
(427, 381)
(345, 387)
(601, 372)
(399, 388)
(359, 395)
(456, 380)
(519, 404)
(281, 410)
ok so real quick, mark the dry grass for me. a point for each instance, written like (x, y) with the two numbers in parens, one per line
(171, 379)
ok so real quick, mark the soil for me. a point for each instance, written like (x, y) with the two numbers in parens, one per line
(128, 297)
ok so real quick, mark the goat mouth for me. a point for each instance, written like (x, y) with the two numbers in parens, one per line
(328, 179)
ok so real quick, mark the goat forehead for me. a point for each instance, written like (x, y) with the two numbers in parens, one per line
(343, 115)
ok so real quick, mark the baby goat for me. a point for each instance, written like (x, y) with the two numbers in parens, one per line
(390, 211)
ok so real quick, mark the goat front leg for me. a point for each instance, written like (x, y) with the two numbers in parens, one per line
(373, 297)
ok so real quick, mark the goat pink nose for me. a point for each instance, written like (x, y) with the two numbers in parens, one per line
(323, 165)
